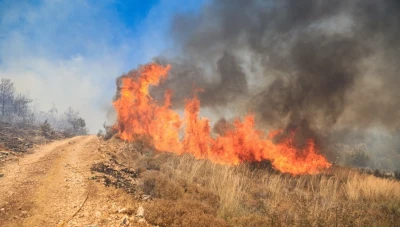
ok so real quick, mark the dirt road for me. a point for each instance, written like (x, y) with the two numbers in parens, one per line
(52, 187)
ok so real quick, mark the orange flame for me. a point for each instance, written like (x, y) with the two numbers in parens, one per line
(139, 114)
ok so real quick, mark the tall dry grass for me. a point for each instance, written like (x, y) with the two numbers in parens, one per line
(246, 196)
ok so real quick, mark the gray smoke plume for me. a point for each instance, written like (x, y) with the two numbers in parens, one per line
(320, 67)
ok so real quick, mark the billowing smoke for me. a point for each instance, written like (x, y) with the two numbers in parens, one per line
(326, 68)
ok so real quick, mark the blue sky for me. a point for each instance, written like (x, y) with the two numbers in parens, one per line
(69, 52)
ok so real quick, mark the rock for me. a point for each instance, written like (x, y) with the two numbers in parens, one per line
(125, 221)
(140, 212)
(1, 175)
(24, 213)
(97, 214)
(146, 197)
(2, 209)
(122, 210)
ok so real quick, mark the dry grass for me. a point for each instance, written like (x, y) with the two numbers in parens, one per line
(182, 213)
(245, 196)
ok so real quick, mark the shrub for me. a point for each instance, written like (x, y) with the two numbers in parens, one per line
(158, 186)
(109, 131)
(199, 193)
(45, 128)
(149, 163)
(250, 220)
(357, 157)
(181, 213)
(100, 133)
(397, 174)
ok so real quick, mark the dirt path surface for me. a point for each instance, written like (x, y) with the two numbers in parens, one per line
(52, 187)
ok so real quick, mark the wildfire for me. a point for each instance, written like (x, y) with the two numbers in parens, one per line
(139, 114)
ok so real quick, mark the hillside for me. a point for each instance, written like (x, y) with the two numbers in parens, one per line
(86, 181)
(15, 140)
(219, 113)
(183, 191)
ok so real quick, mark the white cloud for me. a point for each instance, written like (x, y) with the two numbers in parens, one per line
(63, 53)
(75, 82)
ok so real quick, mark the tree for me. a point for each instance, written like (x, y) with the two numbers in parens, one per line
(53, 112)
(21, 106)
(78, 124)
(6, 97)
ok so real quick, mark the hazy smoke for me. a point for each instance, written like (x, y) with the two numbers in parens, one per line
(315, 66)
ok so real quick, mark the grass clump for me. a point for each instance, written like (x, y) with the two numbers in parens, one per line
(191, 192)
(182, 213)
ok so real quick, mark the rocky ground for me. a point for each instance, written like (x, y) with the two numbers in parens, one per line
(15, 140)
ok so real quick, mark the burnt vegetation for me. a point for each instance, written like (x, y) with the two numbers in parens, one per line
(23, 125)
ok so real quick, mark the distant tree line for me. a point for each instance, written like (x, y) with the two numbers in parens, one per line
(13, 106)
(19, 109)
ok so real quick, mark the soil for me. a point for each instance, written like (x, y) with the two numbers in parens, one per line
(54, 186)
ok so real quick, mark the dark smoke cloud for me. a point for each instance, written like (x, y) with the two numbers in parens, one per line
(315, 66)
(185, 76)
(308, 59)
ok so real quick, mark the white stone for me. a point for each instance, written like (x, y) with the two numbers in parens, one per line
(140, 211)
